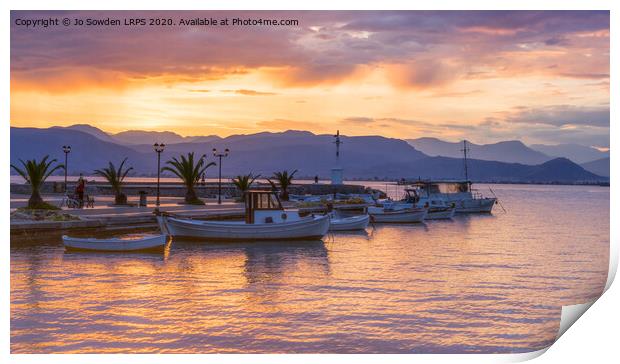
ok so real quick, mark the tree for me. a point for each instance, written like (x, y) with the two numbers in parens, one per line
(35, 173)
(284, 180)
(243, 183)
(115, 178)
(189, 171)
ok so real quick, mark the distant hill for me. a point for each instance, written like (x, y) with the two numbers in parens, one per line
(599, 166)
(512, 151)
(363, 157)
(87, 151)
(85, 128)
(135, 137)
(312, 154)
(575, 152)
(560, 170)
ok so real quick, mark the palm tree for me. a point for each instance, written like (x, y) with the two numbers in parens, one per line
(115, 177)
(189, 171)
(243, 183)
(35, 173)
(284, 180)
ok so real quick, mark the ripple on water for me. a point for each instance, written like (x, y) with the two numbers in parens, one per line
(478, 284)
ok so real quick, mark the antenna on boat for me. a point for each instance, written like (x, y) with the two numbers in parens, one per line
(465, 150)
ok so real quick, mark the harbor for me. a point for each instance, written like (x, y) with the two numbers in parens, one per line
(419, 255)
(312, 182)
(472, 283)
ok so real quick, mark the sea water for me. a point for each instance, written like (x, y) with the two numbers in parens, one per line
(479, 283)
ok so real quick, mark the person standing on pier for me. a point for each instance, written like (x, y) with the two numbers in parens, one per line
(79, 190)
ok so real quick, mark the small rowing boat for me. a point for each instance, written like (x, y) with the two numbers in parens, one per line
(358, 222)
(397, 215)
(144, 243)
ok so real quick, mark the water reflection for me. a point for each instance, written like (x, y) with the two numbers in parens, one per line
(479, 283)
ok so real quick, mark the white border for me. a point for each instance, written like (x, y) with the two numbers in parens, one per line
(600, 330)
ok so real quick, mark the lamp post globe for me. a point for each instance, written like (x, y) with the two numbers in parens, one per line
(66, 149)
(219, 185)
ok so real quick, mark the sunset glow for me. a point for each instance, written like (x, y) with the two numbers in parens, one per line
(541, 77)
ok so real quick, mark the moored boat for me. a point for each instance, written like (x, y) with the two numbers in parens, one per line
(438, 208)
(397, 215)
(459, 193)
(265, 220)
(145, 243)
(358, 222)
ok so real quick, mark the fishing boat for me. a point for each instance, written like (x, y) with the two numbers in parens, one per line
(458, 193)
(265, 219)
(397, 214)
(438, 208)
(143, 243)
(347, 223)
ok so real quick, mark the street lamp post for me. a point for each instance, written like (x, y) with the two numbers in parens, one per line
(66, 149)
(219, 186)
(158, 148)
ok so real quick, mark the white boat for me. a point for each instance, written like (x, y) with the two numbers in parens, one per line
(438, 207)
(441, 213)
(459, 193)
(397, 214)
(358, 222)
(265, 220)
(150, 242)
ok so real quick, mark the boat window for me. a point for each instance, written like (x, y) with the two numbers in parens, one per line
(274, 202)
(263, 202)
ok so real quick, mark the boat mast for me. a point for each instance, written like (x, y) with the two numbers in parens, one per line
(465, 150)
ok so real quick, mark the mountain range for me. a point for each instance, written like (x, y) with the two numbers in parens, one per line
(514, 151)
(363, 157)
(136, 137)
(575, 152)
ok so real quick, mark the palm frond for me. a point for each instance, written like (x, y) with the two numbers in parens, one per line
(114, 176)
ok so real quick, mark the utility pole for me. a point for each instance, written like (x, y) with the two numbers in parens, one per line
(337, 142)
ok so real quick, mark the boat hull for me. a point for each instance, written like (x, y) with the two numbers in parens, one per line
(399, 216)
(359, 222)
(152, 243)
(478, 205)
(441, 213)
(312, 228)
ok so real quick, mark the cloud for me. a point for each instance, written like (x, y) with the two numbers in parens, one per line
(423, 74)
(250, 92)
(561, 115)
(422, 49)
(358, 120)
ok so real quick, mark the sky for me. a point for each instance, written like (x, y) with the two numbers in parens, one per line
(484, 76)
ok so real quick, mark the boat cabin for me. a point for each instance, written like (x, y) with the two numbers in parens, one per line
(412, 195)
(264, 207)
(428, 188)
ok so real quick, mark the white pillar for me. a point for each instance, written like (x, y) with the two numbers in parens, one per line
(337, 175)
